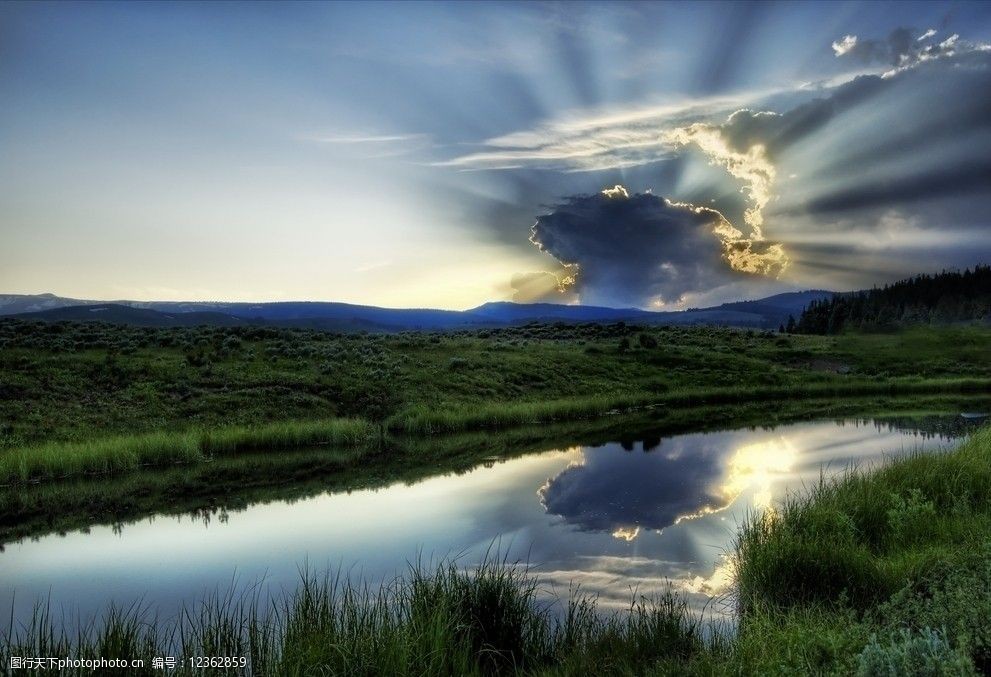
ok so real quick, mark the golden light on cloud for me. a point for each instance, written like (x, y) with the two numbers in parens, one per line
(653, 235)
(626, 533)
(741, 253)
(751, 167)
(616, 191)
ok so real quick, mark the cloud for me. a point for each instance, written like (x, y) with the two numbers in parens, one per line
(911, 133)
(616, 491)
(642, 249)
(751, 166)
(846, 45)
(372, 146)
(903, 48)
(373, 138)
(602, 140)
(545, 286)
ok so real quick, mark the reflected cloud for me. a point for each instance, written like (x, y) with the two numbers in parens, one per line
(625, 493)
(720, 581)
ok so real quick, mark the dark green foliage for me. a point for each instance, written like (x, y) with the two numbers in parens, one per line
(924, 299)
(895, 560)
(646, 341)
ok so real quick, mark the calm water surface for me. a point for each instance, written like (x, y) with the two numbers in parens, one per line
(614, 518)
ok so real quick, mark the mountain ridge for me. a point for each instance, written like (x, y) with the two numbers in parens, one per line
(765, 313)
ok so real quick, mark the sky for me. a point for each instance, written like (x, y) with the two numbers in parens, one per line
(444, 154)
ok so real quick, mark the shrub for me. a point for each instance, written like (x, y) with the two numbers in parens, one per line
(923, 654)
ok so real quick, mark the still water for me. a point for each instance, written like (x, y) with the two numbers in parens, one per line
(615, 519)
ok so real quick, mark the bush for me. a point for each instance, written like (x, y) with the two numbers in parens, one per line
(647, 341)
(923, 654)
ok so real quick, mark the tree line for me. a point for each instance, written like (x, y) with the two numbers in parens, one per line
(949, 296)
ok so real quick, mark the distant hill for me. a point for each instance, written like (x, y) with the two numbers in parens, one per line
(950, 296)
(765, 313)
(116, 313)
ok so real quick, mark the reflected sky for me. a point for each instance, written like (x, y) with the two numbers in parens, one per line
(616, 518)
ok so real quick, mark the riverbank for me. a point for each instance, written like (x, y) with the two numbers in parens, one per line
(228, 483)
(883, 571)
(357, 437)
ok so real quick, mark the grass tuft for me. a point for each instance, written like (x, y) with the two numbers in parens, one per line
(120, 454)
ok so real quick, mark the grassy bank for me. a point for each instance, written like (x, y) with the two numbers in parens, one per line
(85, 399)
(58, 460)
(233, 481)
(108, 455)
(111, 455)
(882, 572)
(421, 419)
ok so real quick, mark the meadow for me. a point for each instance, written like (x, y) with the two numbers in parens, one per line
(86, 399)
(880, 572)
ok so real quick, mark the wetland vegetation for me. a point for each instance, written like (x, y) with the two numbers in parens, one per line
(876, 573)
(881, 572)
(89, 398)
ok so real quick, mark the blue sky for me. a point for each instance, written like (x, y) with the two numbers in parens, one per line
(401, 154)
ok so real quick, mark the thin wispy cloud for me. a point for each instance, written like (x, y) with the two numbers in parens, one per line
(348, 139)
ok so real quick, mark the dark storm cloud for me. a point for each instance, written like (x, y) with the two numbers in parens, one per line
(618, 489)
(809, 165)
(630, 250)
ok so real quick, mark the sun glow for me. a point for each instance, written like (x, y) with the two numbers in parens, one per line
(754, 468)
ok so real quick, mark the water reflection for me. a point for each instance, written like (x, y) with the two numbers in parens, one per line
(615, 519)
(623, 489)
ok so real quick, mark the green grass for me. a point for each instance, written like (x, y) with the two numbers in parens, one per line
(876, 571)
(69, 382)
(423, 419)
(287, 435)
(56, 460)
(82, 399)
(442, 621)
(884, 571)
(867, 534)
(99, 456)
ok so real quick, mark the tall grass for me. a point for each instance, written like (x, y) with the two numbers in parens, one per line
(98, 456)
(119, 454)
(343, 432)
(425, 419)
(860, 538)
(445, 621)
